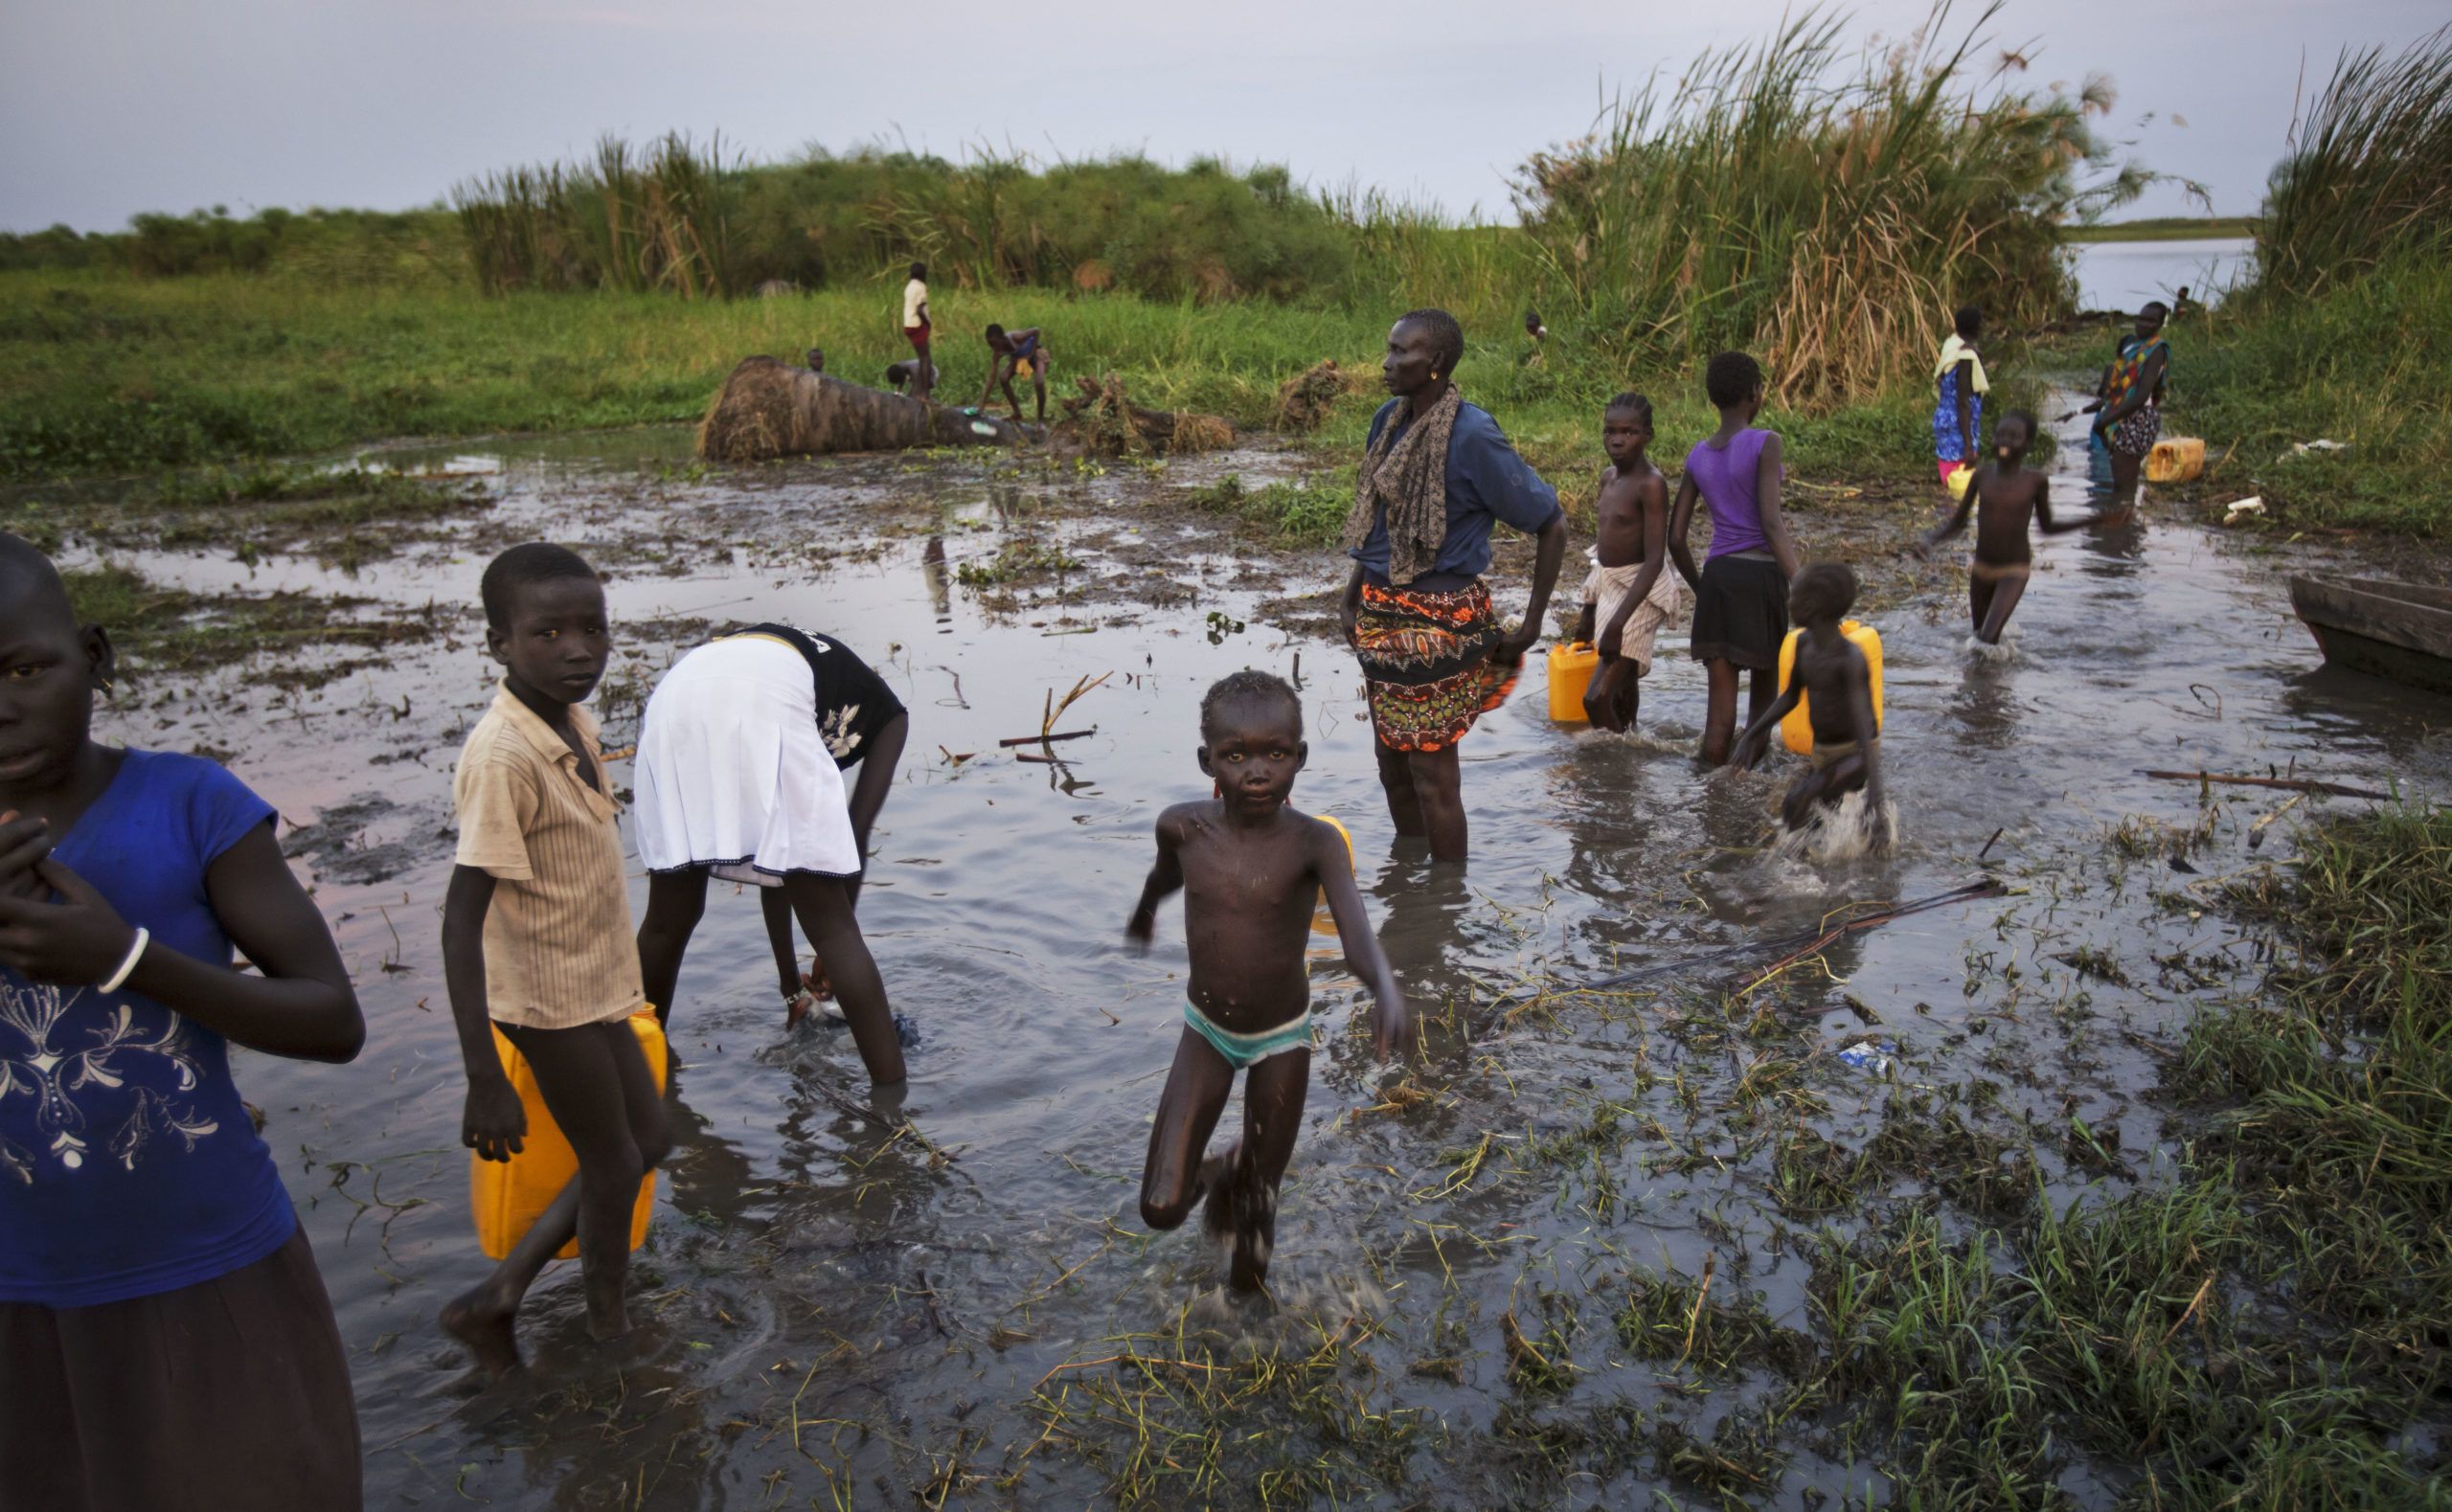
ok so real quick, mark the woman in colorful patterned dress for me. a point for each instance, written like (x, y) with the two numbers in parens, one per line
(1437, 474)
(2131, 419)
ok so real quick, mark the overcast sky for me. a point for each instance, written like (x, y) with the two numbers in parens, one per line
(109, 108)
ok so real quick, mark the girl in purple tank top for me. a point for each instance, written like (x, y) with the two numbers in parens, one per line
(1741, 594)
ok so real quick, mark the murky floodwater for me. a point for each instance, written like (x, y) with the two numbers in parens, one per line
(836, 1313)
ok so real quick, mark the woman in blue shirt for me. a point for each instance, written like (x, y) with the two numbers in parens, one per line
(1437, 474)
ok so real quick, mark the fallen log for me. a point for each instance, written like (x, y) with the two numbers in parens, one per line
(1105, 423)
(772, 409)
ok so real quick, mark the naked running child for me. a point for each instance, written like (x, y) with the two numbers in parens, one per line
(2004, 498)
(1251, 870)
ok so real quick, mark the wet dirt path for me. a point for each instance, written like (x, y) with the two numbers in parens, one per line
(838, 1309)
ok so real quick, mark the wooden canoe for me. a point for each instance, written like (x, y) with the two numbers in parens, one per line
(2375, 625)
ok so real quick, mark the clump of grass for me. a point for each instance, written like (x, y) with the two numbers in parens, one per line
(1019, 561)
(1667, 1315)
(1833, 225)
(157, 629)
(2142, 837)
(1309, 512)
(1182, 1424)
(2369, 176)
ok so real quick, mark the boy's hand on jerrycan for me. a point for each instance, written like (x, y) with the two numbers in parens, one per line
(492, 1122)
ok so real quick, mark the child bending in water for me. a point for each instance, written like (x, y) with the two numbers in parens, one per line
(2004, 497)
(1629, 595)
(165, 1336)
(536, 941)
(1835, 681)
(1251, 870)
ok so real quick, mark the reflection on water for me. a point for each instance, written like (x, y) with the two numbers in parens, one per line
(835, 1297)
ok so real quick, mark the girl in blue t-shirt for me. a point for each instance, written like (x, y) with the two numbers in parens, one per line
(165, 1337)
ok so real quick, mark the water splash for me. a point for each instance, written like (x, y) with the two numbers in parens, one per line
(1838, 833)
(2006, 651)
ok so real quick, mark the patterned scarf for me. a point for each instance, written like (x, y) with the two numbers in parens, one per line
(1409, 478)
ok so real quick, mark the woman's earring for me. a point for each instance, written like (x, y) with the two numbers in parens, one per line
(108, 687)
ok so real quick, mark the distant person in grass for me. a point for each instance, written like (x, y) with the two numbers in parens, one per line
(2006, 499)
(1831, 674)
(1436, 475)
(1631, 591)
(1252, 871)
(915, 331)
(1017, 354)
(166, 1341)
(1957, 412)
(2131, 418)
(536, 941)
(1741, 594)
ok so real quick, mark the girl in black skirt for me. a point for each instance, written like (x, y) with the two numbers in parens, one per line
(1741, 595)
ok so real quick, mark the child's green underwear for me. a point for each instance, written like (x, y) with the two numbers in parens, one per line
(1246, 1050)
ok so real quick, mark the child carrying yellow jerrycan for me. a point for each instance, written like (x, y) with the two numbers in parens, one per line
(1796, 730)
(507, 1197)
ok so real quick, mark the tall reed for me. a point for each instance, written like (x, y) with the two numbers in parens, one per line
(677, 218)
(2369, 172)
(629, 220)
(1769, 198)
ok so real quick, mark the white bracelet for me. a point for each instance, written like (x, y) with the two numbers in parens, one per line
(128, 963)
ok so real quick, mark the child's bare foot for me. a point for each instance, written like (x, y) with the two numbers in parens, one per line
(1254, 1236)
(1218, 1180)
(480, 1321)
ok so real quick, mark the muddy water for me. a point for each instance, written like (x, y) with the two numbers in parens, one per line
(835, 1313)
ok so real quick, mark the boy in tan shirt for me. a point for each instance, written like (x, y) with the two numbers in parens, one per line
(537, 940)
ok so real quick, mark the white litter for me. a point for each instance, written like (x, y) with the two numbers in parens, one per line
(2238, 509)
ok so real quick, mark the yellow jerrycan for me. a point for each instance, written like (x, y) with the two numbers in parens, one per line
(2175, 458)
(507, 1197)
(1324, 922)
(1797, 729)
(1571, 667)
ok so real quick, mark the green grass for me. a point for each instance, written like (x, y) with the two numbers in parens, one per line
(105, 373)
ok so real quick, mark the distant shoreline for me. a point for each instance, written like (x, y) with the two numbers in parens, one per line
(2168, 228)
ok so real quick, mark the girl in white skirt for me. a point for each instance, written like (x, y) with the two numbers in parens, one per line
(735, 778)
